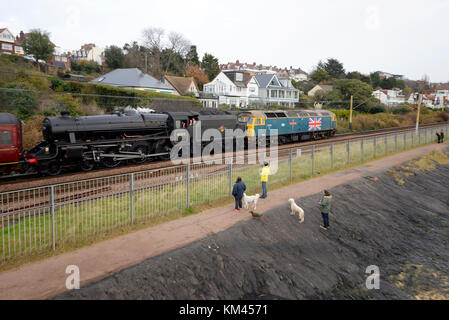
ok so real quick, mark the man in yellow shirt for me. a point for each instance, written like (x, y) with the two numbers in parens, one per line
(264, 179)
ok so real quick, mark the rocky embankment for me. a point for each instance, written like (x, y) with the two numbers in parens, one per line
(398, 221)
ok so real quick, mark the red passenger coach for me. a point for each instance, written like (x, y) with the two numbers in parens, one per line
(10, 139)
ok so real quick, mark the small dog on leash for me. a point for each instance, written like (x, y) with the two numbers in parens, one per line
(295, 208)
(247, 200)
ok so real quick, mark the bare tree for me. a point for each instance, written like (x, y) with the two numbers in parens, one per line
(153, 38)
(177, 44)
(154, 41)
(164, 48)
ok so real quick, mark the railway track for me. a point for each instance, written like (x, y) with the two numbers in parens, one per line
(23, 182)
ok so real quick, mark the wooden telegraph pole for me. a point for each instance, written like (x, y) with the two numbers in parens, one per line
(417, 115)
(350, 115)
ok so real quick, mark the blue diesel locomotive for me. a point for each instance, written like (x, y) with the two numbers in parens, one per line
(292, 125)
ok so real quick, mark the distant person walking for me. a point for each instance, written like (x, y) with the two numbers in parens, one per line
(442, 135)
(264, 179)
(325, 207)
(438, 137)
(237, 192)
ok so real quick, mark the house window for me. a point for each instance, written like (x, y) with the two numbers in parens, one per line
(6, 46)
(296, 94)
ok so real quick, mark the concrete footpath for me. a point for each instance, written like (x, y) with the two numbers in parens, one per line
(46, 278)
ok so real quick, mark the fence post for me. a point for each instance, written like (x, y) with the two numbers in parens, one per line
(405, 141)
(332, 156)
(395, 142)
(188, 184)
(362, 149)
(419, 137)
(386, 144)
(374, 147)
(348, 159)
(426, 140)
(290, 156)
(230, 177)
(313, 160)
(52, 210)
(131, 196)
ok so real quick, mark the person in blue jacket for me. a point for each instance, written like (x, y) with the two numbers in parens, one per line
(237, 192)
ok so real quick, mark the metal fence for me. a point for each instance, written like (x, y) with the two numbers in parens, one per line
(56, 216)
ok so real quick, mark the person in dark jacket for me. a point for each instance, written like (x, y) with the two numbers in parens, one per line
(442, 135)
(438, 137)
(237, 192)
(325, 207)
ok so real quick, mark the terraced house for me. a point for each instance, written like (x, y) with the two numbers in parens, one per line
(242, 89)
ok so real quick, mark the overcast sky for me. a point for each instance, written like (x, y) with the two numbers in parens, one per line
(401, 37)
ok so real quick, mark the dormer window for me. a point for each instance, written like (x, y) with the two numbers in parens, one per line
(239, 76)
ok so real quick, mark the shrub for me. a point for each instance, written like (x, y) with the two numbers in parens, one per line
(22, 103)
(377, 109)
(401, 110)
(341, 113)
(67, 102)
(32, 131)
(444, 116)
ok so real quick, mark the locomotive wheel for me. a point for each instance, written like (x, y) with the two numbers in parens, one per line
(143, 149)
(110, 162)
(53, 168)
(87, 165)
(162, 147)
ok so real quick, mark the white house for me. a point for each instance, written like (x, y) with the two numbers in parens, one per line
(271, 90)
(243, 89)
(230, 87)
(89, 52)
(390, 98)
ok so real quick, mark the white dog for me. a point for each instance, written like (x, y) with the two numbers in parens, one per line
(295, 208)
(250, 199)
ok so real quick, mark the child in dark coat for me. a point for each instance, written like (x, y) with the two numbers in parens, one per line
(237, 192)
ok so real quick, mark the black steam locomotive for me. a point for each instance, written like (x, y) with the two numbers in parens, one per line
(108, 140)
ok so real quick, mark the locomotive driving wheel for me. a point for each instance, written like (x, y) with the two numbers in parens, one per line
(162, 147)
(53, 168)
(87, 165)
(142, 149)
(110, 161)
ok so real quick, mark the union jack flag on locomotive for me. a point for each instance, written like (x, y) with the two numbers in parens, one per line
(314, 124)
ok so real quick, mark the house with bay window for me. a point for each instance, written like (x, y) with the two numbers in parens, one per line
(230, 88)
(8, 43)
(241, 89)
(270, 89)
